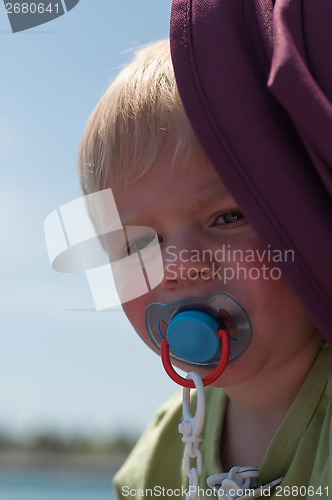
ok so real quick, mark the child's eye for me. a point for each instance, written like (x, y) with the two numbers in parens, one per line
(130, 240)
(141, 243)
(135, 245)
(229, 218)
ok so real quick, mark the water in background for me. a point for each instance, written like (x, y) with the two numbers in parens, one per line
(42, 485)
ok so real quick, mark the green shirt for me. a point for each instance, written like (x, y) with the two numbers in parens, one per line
(300, 451)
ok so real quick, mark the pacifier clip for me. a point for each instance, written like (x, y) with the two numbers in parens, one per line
(237, 484)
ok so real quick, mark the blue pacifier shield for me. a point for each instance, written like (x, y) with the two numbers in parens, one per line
(193, 336)
(191, 325)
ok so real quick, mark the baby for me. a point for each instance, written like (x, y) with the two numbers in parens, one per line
(271, 407)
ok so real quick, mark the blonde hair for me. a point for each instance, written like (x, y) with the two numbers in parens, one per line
(136, 120)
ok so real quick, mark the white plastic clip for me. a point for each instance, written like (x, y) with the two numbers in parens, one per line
(240, 483)
(191, 429)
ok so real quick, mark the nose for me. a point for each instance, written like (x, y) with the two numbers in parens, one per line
(186, 262)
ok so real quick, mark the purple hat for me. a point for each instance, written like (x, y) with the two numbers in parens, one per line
(256, 83)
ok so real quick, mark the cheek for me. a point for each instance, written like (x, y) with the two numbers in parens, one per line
(248, 275)
(272, 300)
(135, 312)
(281, 325)
(261, 289)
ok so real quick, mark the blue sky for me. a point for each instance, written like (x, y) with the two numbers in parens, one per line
(61, 367)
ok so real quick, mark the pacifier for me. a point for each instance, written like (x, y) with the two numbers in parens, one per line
(199, 331)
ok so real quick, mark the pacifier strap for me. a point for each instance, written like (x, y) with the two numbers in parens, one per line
(237, 484)
(191, 428)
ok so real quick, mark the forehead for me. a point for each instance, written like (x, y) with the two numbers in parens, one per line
(186, 187)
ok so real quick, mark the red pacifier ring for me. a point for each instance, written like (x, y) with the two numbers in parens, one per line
(209, 379)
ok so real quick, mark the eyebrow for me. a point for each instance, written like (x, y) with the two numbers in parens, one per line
(213, 193)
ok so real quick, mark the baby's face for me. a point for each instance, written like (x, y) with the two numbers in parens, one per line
(196, 220)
